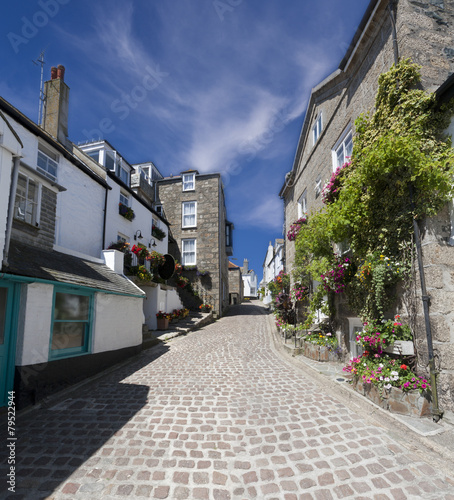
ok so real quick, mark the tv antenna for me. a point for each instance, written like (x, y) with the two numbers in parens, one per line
(42, 97)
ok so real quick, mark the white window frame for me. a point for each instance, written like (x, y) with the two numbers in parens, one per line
(302, 204)
(318, 187)
(355, 325)
(184, 205)
(26, 202)
(188, 181)
(124, 199)
(341, 147)
(317, 128)
(49, 161)
(184, 253)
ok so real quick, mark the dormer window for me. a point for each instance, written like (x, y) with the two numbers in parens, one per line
(47, 162)
(317, 129)
(188, 182)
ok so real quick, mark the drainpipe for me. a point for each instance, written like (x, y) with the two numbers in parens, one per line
(104, 224)
(12, 197)
(437, 412)
(391, 8)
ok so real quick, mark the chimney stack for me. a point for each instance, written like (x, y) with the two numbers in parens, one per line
(245, 266)
(56, 105)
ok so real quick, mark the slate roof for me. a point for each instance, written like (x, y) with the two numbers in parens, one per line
(33, 262)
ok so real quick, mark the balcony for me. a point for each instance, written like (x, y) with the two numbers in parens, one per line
(141, 186)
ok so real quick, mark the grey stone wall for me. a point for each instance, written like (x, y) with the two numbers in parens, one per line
(42, 236)
(209, 233)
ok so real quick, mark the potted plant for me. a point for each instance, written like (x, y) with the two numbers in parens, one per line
(162, 320)
(205, 307)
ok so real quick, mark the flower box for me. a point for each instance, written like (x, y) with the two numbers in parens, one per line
(318, 352)
(401, 347)
(395, 400)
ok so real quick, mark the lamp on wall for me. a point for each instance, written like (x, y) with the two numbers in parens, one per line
(138, 235)
(150, 244)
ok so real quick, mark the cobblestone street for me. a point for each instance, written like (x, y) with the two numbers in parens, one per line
(217, 414)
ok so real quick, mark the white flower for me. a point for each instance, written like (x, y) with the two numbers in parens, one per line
(394, 373)
(388, 386)
(387, 379)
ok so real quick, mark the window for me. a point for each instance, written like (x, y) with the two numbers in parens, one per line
(189, 218)
(123, 173)
(94, 155)
(355, 325)
(121, 238)
(228, 235)
(302, 204)
(318, 186)
(188, 182)
(188, 252)
(26, 203)
(109, 160)
(71, 324)
(47, 162)
(317, 129)
(343, 149)
(124, 199)
(159, 209)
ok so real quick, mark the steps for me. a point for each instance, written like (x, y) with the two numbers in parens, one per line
(193, 321)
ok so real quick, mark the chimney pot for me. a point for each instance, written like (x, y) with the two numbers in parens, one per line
(53, 73)
(61, 72)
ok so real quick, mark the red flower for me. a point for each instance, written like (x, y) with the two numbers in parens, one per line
(404, 367)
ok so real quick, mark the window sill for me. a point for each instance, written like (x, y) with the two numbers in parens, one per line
(189, 227)
(26, 226)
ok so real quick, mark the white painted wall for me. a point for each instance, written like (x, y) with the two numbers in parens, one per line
(117, 323)
(116, 223)
(249, 282)
(9, 146)
(80, 211)
(33, 333)
(159, 298)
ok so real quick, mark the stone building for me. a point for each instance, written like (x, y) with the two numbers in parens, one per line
(423, 32)
(236, 287)
(194, 204)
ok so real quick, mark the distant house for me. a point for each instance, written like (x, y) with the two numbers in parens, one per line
(272, 266)
(194, 205)
(250, 282)
(64, 313)
(236, 287)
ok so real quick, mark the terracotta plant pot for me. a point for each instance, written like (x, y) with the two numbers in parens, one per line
(163, 323)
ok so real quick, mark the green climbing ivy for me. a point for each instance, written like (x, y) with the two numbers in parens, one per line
(398, 149)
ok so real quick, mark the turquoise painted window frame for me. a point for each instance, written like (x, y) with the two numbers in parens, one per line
(72, 351)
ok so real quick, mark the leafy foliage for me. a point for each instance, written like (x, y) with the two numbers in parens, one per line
(401, 168)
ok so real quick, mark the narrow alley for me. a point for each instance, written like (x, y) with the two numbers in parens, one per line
(217, 414)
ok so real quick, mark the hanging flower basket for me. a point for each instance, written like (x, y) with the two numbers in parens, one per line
(295, 228)
(158, 233)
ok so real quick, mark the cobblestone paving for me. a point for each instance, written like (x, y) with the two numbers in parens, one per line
(214, 415)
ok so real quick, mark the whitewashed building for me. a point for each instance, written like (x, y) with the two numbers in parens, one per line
(250, 280)
(272, 266)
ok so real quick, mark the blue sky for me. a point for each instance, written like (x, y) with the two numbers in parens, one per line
(216, 85)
